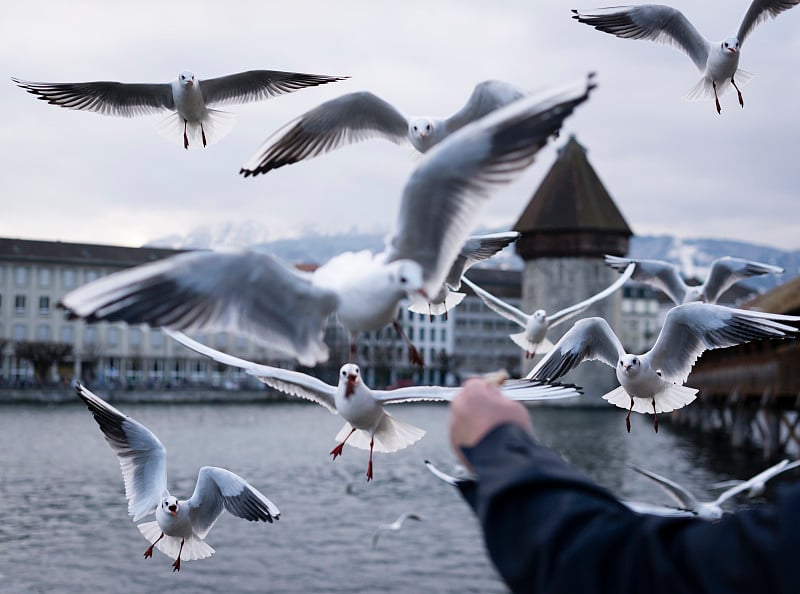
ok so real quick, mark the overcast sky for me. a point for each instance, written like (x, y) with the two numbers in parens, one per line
(672, 166)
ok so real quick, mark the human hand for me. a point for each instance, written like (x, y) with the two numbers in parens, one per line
(477, 409)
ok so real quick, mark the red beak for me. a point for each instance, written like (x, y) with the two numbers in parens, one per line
(350, 387)
(424, 293)
(190, 83)
(732, 50)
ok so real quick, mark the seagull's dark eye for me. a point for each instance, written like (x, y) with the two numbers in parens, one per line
(403, 280)
(428, 127)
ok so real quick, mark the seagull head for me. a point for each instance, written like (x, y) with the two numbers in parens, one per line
(186, 78)
(629, 364)
(694, 293)
(170, 504)
(421, 127)
(406, 275)
(423, 133)
(730, 45)
(350, 375)
(540, 315)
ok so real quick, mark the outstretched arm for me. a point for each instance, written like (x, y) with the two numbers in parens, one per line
(550, 529)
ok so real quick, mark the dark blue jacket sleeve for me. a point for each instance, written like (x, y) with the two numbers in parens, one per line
(550, 529)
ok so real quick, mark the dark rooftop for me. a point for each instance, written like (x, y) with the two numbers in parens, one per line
(572, 198)
(84, 253)
(504, 283)
(783, 299)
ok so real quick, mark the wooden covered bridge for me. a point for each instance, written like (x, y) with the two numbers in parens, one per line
(750, 395)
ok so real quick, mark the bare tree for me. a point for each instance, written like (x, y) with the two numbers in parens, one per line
(42, 355)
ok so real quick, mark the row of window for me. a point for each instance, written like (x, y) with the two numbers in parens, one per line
(21, 303)
(641, 306)
(91, 335)
(45, 277)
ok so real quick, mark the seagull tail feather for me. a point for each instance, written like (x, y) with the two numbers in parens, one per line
(215, 126)
(673, 398)
(193, 547)
(390, 435)
(704, 90)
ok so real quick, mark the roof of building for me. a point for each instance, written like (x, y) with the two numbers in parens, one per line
(501, 282)
(783, 299)
(572, 198)
(22, 250)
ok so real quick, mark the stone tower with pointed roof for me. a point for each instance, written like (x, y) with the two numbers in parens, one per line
(568, 226)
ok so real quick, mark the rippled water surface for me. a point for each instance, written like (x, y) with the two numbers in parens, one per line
(65, 526)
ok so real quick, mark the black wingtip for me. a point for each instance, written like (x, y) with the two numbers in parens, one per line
(591, 82)
(69, 312)
(576, 387)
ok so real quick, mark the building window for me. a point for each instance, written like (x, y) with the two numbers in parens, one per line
(44, 277)
(90, 275)
(43, 333)
(90, 336)
(21, 276)
(19, 304)
(112, 336)
(67, 334)
(44, 305)
(156, 338)
(221, 341)
(68, 278)
(2, 274)
(20, 332)
(136, 337)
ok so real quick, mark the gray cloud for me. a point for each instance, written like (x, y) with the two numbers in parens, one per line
(673, 166)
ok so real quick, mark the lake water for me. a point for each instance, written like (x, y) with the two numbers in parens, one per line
(65, 526)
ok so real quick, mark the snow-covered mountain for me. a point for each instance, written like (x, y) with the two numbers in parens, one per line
(693, 255)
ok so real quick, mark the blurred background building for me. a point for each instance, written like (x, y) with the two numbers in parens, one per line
(569, 224)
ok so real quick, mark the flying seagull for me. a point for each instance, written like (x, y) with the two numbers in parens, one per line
(359, 116)
(368, 426)
(665, 276)
(181, 526)
(533, 339)
(653, 382)
(757, 485)
(478, 248)
(188, 97)
(396, 525)
(256, 295)
(718, 61)
(712, 510)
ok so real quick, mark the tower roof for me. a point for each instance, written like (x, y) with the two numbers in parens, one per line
(571, 203)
